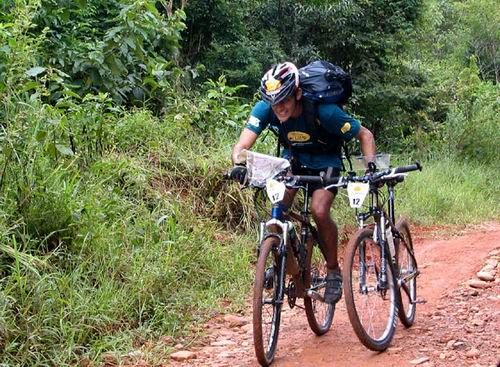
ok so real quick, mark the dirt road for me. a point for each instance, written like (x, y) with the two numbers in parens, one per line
(458, 326)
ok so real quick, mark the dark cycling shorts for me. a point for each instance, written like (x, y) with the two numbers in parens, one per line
(315, 172)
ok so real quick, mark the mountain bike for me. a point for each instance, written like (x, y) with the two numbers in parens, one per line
(380, 270)
(290, 264)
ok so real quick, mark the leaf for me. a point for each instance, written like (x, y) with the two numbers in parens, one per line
(112, 32)
(64, 150)
(70, 93)
(29, 86)
(40, 135)
(6, 150)
(5, 49)
(35, 71)
(162, 219)
(61, 73)
(51, 150)
(130, 42)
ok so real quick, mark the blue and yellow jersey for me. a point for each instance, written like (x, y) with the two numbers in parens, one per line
(316, 147)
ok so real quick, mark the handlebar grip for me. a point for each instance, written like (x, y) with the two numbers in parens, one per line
(411, 167)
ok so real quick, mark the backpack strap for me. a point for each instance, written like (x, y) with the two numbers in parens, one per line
(310, 111)
(311, 115)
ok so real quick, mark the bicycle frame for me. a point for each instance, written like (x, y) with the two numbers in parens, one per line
(299, 252)
(287, 266)
(381, 220)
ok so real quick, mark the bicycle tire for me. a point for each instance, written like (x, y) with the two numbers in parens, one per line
(319, 314)
(375, 328)
(266, 293)
(407, 265)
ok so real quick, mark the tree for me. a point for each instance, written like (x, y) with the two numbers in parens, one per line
(125, 48)
(480, 24)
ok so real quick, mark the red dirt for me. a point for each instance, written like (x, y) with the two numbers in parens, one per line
(458, 326)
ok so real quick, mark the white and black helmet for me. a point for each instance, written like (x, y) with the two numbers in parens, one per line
(279, 83)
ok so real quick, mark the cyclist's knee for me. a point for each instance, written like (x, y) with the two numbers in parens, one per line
(321, 213)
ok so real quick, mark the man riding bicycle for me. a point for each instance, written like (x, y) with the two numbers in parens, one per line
(283, 109)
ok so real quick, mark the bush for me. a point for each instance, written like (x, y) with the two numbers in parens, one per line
(470, 131)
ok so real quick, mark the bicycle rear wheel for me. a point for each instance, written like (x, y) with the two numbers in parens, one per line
(371, 305)
(407, 275)
(319, 314)
(266, 303)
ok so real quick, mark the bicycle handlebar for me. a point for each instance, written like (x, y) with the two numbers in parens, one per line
(409, 168)
(342, 181)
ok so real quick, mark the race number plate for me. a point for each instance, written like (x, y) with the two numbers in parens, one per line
(275, 190)
(357, 192)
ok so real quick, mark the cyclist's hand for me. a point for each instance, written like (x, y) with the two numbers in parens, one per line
(372, 168)
(239, 173)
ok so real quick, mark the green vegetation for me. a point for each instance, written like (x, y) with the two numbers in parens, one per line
(451, 192)
(117, 119)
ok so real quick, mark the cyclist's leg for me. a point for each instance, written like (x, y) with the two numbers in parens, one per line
(288, 199)
(327, 229)
(320, 209)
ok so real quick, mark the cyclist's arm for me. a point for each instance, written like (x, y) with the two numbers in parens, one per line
(246, 141)
(339, 122)
(367, 144)
(256, 123)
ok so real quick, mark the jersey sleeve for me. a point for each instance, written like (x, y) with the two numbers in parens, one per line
(335, 120)
(259, 117)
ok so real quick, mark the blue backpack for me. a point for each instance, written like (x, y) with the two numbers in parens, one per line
(323, 82)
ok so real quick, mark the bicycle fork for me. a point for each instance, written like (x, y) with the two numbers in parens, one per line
(266, 230)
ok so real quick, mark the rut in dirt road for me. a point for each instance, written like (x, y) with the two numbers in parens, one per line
(457, 326)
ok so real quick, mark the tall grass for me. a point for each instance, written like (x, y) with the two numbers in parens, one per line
(138, 265)
(104, 249)
(448, 191)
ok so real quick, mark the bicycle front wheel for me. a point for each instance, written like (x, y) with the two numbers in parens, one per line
(407, 266)
(371, 303)
(266, 301)
(319, 314)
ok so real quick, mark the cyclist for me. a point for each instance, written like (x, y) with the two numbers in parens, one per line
(283, 108)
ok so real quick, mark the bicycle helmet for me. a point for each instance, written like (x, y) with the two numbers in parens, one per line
(279, 83)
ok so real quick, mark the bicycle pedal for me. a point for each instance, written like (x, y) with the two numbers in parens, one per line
(419, 301)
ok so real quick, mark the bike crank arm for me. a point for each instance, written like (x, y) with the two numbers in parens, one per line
(315, 295)
(418, 301)
(408, 277)
(272, 302)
